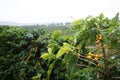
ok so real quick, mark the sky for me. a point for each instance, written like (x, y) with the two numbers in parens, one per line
(45, 11)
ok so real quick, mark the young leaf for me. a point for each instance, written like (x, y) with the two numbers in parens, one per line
(44, 56)
(65, 48)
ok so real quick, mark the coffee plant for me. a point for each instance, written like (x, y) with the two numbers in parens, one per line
(19, 53)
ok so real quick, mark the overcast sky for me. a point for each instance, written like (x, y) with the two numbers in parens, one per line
(43, 11)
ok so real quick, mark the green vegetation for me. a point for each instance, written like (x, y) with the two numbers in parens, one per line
(87, 50)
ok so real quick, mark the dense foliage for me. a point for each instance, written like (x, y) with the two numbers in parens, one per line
(89, 50)
(19, 53)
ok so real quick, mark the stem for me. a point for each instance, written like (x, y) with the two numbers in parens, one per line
(87, 61)
(106, 75)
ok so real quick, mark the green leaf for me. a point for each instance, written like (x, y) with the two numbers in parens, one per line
(67, 58)
(36, 77)
(78, 24)
(115, 20)
(93, 33)
(101, 16)
(114, 43)
(56, 34)
(50, 50)
(51, 66)
(44, 56)
(72, 66)
(48, 56)
(65, 48)
(86, 74)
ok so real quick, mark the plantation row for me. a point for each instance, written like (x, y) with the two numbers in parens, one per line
(88, 50)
